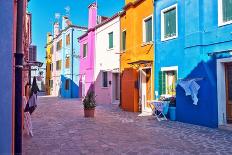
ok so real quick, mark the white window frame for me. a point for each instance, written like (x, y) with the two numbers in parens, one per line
(220, 15)
(168, 69)
(108, 49)
(162, 22)
(144, 28)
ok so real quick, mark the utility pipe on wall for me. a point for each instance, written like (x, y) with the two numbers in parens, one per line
(18, 76)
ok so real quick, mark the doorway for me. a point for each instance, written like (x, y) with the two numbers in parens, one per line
(228, 78)
(145, 89)
(116, 87)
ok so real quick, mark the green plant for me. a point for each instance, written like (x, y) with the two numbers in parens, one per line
(89, 101)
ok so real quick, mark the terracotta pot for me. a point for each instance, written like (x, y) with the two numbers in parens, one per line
(89, 112)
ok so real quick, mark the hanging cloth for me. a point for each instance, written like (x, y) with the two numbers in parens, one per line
(191, 88)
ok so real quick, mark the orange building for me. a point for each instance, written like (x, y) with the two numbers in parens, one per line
(137, 55)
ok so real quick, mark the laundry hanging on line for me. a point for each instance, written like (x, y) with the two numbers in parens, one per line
(191, 88)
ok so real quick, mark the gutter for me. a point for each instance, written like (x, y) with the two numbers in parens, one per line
(18, 77)
(72, 67)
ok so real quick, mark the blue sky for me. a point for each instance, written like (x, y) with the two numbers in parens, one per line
(43, 15)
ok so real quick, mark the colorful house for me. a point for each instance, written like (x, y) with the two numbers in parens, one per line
(99, 64)
(107, 58)
(14, 72)
(65, 60)
(195, 46)
(49, 64)
(137, 55)
(87, 53)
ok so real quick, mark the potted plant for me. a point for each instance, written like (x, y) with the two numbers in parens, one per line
(89, 104)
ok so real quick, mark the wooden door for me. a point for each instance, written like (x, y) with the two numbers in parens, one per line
(229, 92)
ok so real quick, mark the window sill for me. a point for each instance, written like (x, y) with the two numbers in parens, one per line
(224, 23)
(110, 49)
(105, 87)
(169, 38)
(147, 43)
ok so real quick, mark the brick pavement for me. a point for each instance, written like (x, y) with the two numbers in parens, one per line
(60, 128)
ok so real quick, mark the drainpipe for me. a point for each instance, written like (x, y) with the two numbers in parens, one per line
(18, 76)
(72, 67)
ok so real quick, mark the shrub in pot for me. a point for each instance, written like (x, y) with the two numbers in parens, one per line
(89, 104)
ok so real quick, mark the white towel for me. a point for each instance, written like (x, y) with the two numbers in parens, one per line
(191, 88)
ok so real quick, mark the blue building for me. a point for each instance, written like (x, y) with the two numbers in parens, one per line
(193, 41)
(65, 59)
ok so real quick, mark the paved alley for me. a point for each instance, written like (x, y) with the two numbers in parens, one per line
(60, 128)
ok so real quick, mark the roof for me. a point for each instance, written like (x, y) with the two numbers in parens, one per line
(139, 62)
(70, 26)
(101, 24)
(132, 4)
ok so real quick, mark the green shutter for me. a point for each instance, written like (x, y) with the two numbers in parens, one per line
(148, 26)
(111, 40)
(124, 40)
(162, 83)
(227, 10)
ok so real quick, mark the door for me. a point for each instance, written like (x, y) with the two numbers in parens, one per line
(143, 90)
(229, 92)
(83, 86)
(115, 85)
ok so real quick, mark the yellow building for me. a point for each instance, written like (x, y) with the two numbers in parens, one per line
(49, 65)
(137, 55)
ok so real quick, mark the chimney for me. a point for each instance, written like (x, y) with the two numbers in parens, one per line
(128, 1)
(56, 29)
(92, 15)
(64, 22)
(49, 37)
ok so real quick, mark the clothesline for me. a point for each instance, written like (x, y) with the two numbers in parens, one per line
(196, 79)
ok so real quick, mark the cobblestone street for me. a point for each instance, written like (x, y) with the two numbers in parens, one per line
(60, 128)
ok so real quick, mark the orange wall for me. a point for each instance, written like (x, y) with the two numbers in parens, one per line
(135, 49)
(132, 21)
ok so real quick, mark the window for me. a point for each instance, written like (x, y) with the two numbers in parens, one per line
(58, 65)
(51, 83)
(67, 62)
(111, 40)
(167, 82)
(50, 67)
(68, 39)
(147, 30)
(51, 49)
(67, 84)
(124, 40)
(169, 23)
(59, 45)
(104, 79)
(85, 49)
(224, 12)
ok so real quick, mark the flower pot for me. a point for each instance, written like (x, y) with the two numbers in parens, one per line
(89, 112)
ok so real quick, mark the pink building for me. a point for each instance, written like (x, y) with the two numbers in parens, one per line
(99, 63)
(87, 53)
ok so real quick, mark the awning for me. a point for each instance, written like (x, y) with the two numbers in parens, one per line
(138, 63)
(33, 64)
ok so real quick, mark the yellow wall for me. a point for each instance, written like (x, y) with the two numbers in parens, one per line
(132, 21)
(48, 62)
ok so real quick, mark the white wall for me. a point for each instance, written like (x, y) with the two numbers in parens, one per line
(56, 74)
(107, 59)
